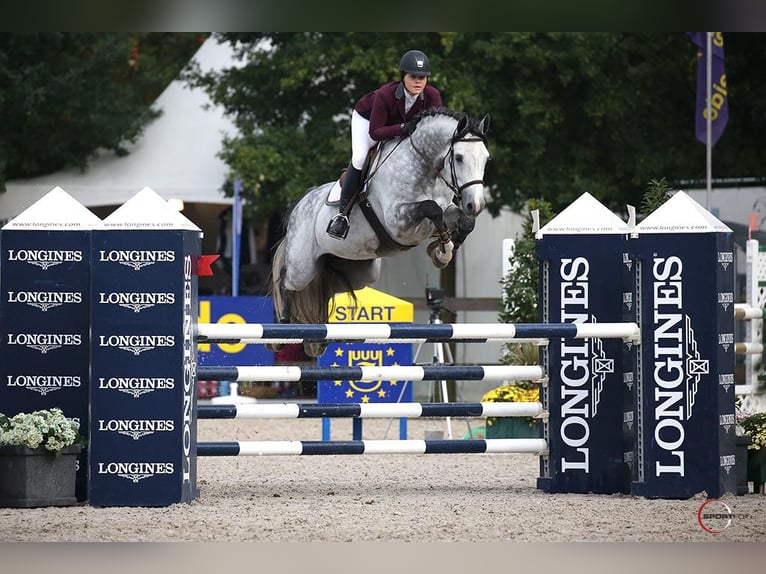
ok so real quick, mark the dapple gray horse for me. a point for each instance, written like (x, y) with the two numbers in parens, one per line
(427, 185)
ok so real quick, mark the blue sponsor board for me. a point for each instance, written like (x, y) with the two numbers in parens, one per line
(347, 391)
(685, 404)
(144, 356)
(581, 266)
(236, 310)
(365, 355)
(45, 326)
(584, 393)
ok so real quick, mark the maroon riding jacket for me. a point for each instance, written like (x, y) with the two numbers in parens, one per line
(384, 108)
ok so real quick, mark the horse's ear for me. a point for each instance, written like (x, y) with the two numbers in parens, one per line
(484, 125)
(462, 126)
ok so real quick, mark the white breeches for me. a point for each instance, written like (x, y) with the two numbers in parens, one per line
(361, 142)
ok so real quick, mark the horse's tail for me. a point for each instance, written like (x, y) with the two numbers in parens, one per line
(275, 289)
(312, 304)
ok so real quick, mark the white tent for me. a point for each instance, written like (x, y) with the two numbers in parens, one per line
(176, 155)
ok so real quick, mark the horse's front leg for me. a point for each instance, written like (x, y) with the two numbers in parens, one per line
(440, 250)
(459, 224)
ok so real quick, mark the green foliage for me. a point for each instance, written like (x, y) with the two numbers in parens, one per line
(64, 96)
(657, 193)
(521, 284)
(571, 112)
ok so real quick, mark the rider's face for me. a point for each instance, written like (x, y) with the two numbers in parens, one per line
(415, 84)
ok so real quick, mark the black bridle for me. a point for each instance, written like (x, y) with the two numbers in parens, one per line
(457, 190)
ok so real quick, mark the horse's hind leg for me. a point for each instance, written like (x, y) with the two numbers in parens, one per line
(280, 295)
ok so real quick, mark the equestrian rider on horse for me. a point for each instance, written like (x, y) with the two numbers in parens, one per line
(384, 114)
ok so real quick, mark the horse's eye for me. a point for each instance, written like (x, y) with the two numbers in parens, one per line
(459, 158)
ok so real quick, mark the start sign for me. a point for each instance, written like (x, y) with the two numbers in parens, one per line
(370, 306)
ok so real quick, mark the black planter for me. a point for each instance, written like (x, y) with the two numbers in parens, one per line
(740, 458)
(32, 477)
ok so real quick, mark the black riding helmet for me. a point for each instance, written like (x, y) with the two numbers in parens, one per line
(416, 63)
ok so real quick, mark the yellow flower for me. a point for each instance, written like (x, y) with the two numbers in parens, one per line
(512, 393)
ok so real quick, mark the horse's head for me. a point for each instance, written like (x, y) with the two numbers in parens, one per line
(467, 159)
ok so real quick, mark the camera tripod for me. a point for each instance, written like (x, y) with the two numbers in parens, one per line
(440, 351)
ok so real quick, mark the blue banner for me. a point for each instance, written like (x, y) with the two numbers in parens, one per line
(236, 310)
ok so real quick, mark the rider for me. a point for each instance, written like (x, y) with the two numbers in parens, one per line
(384, 114)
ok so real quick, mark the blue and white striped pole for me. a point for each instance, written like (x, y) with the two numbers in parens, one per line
(368, 410)
(376, 373)
(535, 446)
(443, 332)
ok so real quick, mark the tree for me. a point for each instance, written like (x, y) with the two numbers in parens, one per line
(571, 112)
(65, 96)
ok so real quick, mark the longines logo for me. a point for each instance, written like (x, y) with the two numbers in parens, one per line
(135, 471)
(725, 299)
(136, 344)
(45, 342)
(136, 428)
(45, 258)
(43, 384)
(725, 258)
(678, 367)
(44, 300)
(727, 421)
(136, 259)
(136, 386)
(581, 361)
(726, 380)
(136, 302)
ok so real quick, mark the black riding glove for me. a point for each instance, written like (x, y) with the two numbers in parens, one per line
(408, 128)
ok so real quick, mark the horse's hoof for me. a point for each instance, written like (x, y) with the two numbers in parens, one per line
(274, 347)
(314, 348)
(439, 253)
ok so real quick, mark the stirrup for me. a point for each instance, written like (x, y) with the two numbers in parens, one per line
(338, 226)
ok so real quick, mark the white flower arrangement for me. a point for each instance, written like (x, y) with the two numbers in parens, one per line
(47, 428)
(754, 425)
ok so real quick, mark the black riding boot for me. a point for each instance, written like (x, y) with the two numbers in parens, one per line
(338, 226)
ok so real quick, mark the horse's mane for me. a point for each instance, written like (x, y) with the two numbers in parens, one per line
(473, 124)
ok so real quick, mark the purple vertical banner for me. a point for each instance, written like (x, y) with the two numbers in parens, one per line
(719, 98)
(144, 357)
(45, 313)
(684, 410)
(581, 260)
